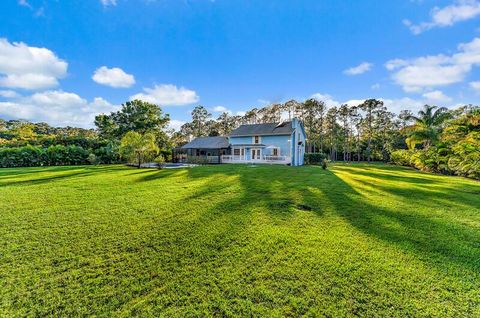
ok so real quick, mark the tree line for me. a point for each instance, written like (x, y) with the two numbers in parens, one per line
(435, 139)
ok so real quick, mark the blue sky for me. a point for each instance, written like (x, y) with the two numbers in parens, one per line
(65, 61)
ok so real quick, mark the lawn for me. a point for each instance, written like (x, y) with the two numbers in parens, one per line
(354, 240)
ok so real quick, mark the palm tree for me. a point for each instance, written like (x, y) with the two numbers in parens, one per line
(427, 126)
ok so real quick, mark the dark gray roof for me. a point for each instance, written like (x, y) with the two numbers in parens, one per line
(284, 128)
(207, 143)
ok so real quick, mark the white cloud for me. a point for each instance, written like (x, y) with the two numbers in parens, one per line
(437, 97)
(263, 102)
(240, 113)
(222, 109)
(393, 105)
(167, 95)
(114, 77)
(176, 124)
(27, 67)
(9, 94)
(475, 85)
(460, 10)
(327, 99)
(57, 108)
(375, 86)
(354, 102)
(24, 3)
(359, 69)
(432, 71)
(396, 105)
(395, 63)
(107, 3)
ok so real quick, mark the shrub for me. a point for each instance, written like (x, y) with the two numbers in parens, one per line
(30, 156)
(92, 159)
(465, 157)
(401, 157)
(160, 161)
(314, 158)
(324, 164)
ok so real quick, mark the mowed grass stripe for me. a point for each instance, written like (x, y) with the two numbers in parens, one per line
(354, 240)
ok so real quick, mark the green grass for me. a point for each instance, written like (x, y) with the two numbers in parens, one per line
(354, 240)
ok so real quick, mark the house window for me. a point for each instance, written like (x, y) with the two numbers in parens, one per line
(236, 152)
(256, 139)
(275, 152)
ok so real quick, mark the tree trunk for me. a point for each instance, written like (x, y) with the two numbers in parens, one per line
(139, 160)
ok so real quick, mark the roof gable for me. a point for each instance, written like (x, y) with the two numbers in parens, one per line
(284, 128)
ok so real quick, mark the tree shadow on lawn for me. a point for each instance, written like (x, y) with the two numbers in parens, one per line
(148, 174)
(201, 242)
(447, 190)
(10, 173)
(53, 174)
(435, 239)
(214, 239)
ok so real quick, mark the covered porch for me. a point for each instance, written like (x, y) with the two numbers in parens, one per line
(255, 153)
(203, 150)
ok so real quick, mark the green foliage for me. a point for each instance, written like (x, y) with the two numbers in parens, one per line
(401, 157)
(160, 161)
(92, 159)
(325, 164)
(200, 117)
(138, 148)
(465, 157)
(428, 126)
(30, 156)
(314, 158)
(456, 151)
(198, 160)
(109, 153)
(356, 240)
(136, 115)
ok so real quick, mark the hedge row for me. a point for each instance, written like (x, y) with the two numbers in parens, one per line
(59, 155)
(459, 160)
(314, 158)
(45, 142)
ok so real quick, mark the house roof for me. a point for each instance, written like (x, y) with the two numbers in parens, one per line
(207, 143)
(284, 128)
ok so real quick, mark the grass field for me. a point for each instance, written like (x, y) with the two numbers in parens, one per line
(354, 240)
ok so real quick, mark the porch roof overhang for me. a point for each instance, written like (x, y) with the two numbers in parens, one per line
(248, 145)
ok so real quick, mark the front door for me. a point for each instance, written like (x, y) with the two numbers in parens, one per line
(255, 154)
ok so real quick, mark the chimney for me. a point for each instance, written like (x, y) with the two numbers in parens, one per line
(295, 122)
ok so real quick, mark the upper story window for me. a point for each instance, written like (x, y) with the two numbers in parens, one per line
(256, 139)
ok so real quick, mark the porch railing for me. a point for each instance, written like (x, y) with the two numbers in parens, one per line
(275, 158)
(203, 159)
(263, 159)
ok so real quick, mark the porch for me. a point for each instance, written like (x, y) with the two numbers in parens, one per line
(281, 160)
(256, 153)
